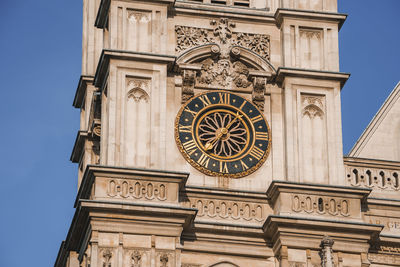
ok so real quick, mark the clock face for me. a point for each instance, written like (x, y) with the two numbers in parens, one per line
(222, 134)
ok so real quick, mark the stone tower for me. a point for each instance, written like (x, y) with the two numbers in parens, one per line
(148, 197)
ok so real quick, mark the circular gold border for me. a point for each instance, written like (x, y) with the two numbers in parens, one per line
(201, 168)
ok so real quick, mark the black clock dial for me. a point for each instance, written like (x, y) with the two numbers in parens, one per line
(222, 134)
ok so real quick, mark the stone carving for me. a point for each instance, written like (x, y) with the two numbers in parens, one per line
(224, 73)
(384, 259)
(137, 189)
(326, 252)
(311, 34)
(190, 265)
(375, 178)
(188, 81)
(313, 106)
(136, 258)
(134, 16)
(389, 249)
(139, 89)
(320, 205)
(164, 260)
(223, 34)
(224, 209)
(106, 257)
(296, 264)
(259, 87)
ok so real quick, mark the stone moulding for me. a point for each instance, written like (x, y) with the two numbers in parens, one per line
(317, 200)
(378, 175)
(234, 207)
(131, 184)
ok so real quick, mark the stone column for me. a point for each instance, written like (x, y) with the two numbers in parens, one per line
(326, 252)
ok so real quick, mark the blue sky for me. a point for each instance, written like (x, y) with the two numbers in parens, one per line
(40, 67)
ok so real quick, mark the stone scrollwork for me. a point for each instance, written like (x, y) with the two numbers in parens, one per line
(137, 189)
(320, 205)
(222, 34)
(224, 209)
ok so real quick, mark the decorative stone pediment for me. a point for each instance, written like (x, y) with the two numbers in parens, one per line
(220, 58)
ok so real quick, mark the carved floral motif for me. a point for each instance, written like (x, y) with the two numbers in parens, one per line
(137, 189)
(106, 257)
(320, 205)
(224, 209)
(222, 33)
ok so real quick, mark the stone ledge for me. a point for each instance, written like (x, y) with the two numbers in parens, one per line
(284, 72)
(107, 54)
(349, 236)
(207, 10)
(281, 13)
(222, 206)
(80, 93)
(131, 185)
(78, 148)
(317, 201)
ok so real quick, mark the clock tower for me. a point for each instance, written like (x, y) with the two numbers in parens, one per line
(211, 136)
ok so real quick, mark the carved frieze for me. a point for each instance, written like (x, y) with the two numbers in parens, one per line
(320, 205)
(222, 33)
(227, 209)
(121, 188)
(296, 264)
(106, 255)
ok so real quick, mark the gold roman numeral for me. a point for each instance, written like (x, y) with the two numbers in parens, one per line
(205, 100)
(185, 128)
(257, 153)
(244, 166)
(194, 113)
(256, 118)
(224, 98)
(262, 136)
(204, 160)
(223, 168)
(190, 147)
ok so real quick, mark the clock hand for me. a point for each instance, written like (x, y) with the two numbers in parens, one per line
(209, 145)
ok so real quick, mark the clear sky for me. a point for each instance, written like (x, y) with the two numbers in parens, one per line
(40, 44)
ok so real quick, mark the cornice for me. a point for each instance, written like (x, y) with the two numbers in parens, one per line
(277, 187)
(108, 54)
(110, 171)
(282, 13)
(284, 72)
(283, 230)
(217, 11)
(78, 146)
(372, 163)
(80, 93)
(103, 11)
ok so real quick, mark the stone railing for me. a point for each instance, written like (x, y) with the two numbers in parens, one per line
(375, 174)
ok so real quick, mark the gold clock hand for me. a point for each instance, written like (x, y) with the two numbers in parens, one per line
(224, 130)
